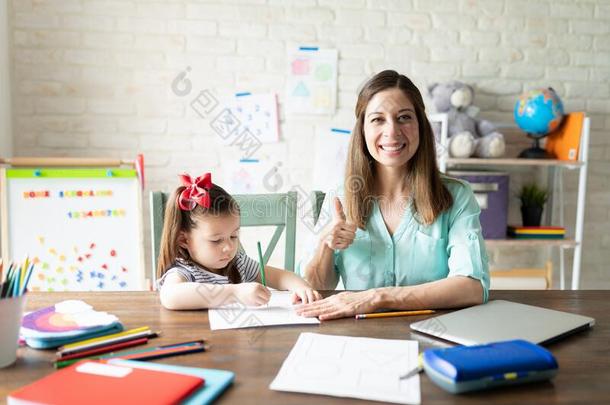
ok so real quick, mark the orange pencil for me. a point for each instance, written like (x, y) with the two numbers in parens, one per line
(393, 314)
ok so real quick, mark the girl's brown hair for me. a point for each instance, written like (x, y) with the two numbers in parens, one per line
(430, 196)
(177, 220)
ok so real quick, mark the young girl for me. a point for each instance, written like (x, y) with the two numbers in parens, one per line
(199, 263)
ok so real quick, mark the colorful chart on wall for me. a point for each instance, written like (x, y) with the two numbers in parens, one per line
(257, 114)
(331, 147)
(81, 227)
(312, 81)
(249, 176)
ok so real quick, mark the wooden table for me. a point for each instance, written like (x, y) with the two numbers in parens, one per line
(255, 355)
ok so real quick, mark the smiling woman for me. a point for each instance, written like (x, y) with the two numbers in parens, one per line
(409, 237)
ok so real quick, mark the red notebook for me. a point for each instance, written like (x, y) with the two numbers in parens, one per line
(92, 383)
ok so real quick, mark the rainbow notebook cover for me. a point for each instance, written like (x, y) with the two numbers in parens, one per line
(66, 322)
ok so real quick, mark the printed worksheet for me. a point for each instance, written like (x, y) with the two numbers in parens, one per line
(311, 85)
(354, 367)
(278, 311)
(258, 114)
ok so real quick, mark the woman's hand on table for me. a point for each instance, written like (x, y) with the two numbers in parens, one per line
(340, 305)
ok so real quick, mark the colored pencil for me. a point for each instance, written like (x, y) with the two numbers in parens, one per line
(27, 278)
(260, 263)
(102, 338)
(98, 345)
(416, 370)
(17, 282)
(7, 287)
(17, 278)
(24, 267)
(144, 354)
(393, 314)
(122, 337)
(105, 349)
(161, 351)
(4, 284)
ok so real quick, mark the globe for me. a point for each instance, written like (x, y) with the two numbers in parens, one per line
(538, 112)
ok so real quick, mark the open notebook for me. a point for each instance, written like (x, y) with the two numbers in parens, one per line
(279, 311)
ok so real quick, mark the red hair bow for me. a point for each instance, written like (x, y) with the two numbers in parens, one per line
(196, 191)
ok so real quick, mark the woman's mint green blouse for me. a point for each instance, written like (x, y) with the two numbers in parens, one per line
(451, 246)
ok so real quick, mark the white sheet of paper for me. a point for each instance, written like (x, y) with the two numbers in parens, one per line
(353, 367)
(331, 145)
(311, 84)
(245, 176)
(257, 114)
(279, 311)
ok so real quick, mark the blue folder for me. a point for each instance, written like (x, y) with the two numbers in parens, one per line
(216, 381)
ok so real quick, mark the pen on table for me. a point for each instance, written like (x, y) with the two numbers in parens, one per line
(416, 370)
(393, 314)
(261, 264)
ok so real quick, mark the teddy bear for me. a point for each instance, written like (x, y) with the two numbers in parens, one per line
(468, 136)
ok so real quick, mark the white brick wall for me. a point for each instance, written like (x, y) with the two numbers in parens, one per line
(94, 77)
(6, 129)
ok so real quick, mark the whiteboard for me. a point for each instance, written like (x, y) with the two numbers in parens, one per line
(81, 227)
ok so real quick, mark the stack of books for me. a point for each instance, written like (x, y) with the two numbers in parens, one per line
(536, 232)
(120, 382)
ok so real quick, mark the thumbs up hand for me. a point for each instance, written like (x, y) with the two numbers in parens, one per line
(340, 233)
(339, 214)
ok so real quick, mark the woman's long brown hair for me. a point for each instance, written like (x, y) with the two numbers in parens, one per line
(430, 196)
(176, 221)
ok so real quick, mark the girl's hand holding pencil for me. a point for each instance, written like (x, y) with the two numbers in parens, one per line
(252, 294)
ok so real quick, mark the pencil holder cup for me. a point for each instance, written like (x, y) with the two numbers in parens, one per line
(11, 312)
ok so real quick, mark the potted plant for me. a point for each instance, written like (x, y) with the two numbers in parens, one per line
(532, 199)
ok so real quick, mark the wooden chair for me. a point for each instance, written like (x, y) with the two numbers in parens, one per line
(525, 278)
(277, 210)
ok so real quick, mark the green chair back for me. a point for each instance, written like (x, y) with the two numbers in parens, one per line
(279, 210)
(317, 199)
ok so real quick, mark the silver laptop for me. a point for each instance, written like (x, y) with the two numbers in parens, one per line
(500, 320)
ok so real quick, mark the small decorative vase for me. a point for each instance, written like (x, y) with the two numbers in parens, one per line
(531, 215)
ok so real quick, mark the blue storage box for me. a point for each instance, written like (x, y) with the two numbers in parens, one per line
(491, 192)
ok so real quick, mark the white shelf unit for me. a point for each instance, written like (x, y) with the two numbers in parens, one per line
(555, 181)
